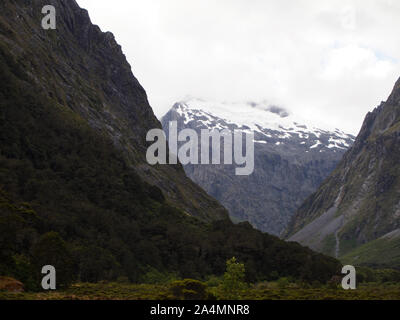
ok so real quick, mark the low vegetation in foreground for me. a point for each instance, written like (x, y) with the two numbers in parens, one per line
(263, 291)
(372, 285)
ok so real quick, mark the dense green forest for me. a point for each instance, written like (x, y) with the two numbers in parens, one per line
(69, 198)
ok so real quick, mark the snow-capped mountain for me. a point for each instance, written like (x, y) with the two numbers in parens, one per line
(292, 157)
(270, 124)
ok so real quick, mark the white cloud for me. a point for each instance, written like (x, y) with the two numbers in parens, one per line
(332, 61)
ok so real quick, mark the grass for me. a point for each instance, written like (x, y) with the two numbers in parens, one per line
(261, 291)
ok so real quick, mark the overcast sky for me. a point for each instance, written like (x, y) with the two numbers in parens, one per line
(331, 61)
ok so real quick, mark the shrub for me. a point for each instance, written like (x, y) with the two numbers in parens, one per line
(190, 289)
(283, 282)
(334, 282)
(153, 276)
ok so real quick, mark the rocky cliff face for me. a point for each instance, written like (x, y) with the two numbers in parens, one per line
(360, 201)
(292, 158)
(85, 70)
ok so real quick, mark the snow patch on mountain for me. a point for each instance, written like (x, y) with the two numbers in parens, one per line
(270, 123)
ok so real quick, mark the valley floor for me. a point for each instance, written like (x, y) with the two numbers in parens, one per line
(264, 291)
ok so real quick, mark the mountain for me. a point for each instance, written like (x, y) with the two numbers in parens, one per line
(292, 158)
(83, 68)
(360, 201)
(76, 191)
(383, 252)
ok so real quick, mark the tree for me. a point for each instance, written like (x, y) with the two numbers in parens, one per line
(52, 250)
(233, 283)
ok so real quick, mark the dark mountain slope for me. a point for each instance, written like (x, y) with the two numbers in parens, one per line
(83, 69)
(74, 185)
(360, 201)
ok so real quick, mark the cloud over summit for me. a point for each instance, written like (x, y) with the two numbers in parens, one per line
(328, 60)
